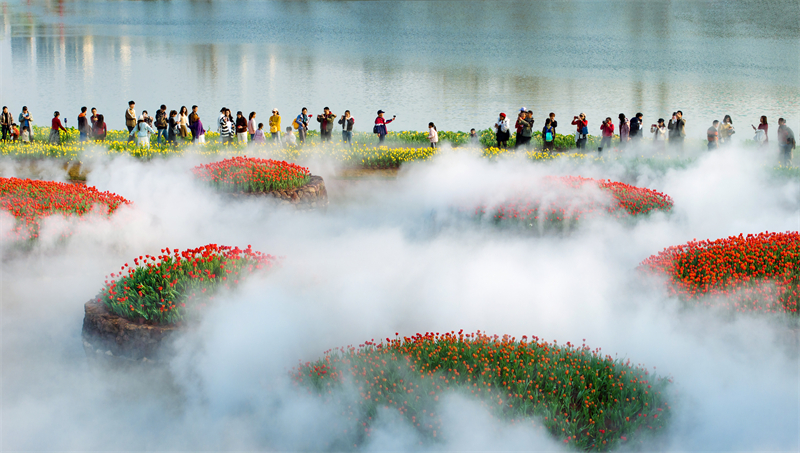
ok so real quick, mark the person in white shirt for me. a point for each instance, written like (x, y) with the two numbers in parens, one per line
(433, 135)
(659, 132)
(289, 137)
(142, 132)
(502, 131)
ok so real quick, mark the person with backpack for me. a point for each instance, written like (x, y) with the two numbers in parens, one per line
(786, 142)
(582, 132)
(624, 131)
(380, 126)
(162, 124)
(548, 136)
(502, 131)
(347, 122)
(325, 120)
(607, 129)
(301, 124)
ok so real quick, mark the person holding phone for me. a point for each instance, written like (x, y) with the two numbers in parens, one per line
(380, 126)
(761, 132)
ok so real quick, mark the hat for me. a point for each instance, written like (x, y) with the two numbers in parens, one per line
(503, 115)
(380, 111)
(523, 109)
(274, 110)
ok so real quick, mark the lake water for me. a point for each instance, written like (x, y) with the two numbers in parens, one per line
(455, 63)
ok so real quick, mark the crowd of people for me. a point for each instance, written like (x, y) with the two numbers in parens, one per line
(631, 130)
(169, 127)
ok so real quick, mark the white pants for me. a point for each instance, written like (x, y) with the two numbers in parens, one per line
(144, 142)
(242, 136)
(201, 139)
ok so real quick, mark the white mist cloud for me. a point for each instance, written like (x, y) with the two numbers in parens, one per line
(371, 266)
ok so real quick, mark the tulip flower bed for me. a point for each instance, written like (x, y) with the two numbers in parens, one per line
(30, 201)
(167, 288)
(754, 273)
(586, 400)
(566, 200)
(250, 174)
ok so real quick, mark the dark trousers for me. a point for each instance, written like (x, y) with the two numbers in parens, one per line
(325, 135)
(581, 143)
(522, 141)
(786, 154)
(381, 138)
(6, 131)
(606, 141)
(130, 137)
(301, 134)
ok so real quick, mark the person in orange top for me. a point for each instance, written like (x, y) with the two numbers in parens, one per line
(713, 136)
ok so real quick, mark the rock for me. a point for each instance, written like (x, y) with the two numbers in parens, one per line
(313, 195)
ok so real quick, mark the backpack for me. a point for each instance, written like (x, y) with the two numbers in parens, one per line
(584, 132)
(295, 124)
(161, 119)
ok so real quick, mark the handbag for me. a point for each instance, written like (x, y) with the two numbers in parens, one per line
(760, 136)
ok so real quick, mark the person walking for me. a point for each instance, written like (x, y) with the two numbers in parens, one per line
(302, 125)
(502, 131)
(526, 122)
(636, 131)
(142, 132)
(251, 125)
(83, 125)
(548, 135)
(55, 137)
(762, 138)
(433, 135)
(726, 131)
(347, 122)
(183, 122)
(677, 130)
(26, 122)
(624, 131)
(659, 131)
(99, 130)
(786, 142)
(162, 124)
(275, 125)
(241, 128)
(196, 127)
(582, 130)
(712, 135)
(380, 126)
(326, 124)
(607, 129)
(6, 122)
(130, 118)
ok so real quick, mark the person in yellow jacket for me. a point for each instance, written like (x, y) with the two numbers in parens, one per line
(275, 125)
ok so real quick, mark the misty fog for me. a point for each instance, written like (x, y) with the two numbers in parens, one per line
(379, 262)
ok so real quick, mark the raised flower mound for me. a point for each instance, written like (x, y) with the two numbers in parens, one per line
(167, 288)
(586, 400)
(753, 273)
(31, 200)
(567, 202)
(250, 174)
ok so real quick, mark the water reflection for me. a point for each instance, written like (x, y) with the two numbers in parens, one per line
(458, 63)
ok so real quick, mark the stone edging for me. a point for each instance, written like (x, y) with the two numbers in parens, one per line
(312, 195)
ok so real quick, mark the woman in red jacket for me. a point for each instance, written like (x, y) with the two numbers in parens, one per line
(582, 130)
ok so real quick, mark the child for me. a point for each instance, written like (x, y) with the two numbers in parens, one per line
(259, 136)
(474, 138)
(290, 140)
(14, 132)
(433, 135)
(26, 134)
